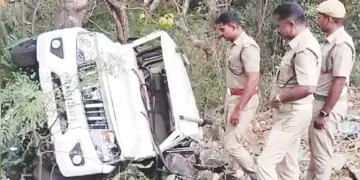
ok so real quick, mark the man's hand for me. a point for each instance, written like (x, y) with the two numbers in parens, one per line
(334, 93)
(320, 122)
(274, 104)
(235, 117)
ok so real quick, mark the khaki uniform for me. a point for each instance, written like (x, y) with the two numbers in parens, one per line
(244, 57)
(338, 53)
(299, 66)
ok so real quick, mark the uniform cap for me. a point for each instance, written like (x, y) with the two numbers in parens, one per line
(332, 8)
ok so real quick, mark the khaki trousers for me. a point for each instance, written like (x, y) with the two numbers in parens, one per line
(279, 158)
(239, 159)
(321, 142)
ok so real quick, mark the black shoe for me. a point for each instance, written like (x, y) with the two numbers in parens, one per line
(229, 177)
(252, 177)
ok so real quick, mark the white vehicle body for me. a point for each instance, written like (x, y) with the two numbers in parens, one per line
(105, 119)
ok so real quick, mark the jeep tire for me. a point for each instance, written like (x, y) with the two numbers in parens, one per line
(24, 54)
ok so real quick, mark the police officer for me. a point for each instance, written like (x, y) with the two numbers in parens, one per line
(241, 102)
(296, 81)
(330, 105)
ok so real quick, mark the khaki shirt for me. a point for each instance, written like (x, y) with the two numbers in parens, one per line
(338, 52)
(300, 64)
(244, 57)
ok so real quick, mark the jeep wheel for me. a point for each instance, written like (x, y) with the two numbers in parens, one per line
(24, 54)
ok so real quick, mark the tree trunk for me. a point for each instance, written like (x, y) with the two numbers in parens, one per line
(72, 13)
(117, 9)
(262, 14)
(3, 33)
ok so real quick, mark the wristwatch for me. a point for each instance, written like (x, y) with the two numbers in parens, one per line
(323, 114)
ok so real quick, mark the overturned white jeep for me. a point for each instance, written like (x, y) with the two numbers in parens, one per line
(120, 101)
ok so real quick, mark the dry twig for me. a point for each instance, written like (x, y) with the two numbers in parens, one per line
(34, 16)
(23, 28)
(263, 5)
(101, 29)
(145, 11)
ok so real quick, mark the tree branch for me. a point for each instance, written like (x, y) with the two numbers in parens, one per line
(186, 6)
(146, 2)
(114, 3)
(228, 4)
(23, 30)
(154, 5)
(212, 13)
(101, 29)
(92, 10)
(34, 16)
(3, 32)
(263, 5)
(117, 9)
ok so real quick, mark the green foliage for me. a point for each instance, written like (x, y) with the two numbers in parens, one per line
(142, 23)
(102, 20)
(207, 74)
(4, 71)
(22, 113)
(166, 21)
(355, 76)
(22, 107)
(352, 25)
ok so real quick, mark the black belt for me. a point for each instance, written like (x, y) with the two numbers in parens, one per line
(320, 97)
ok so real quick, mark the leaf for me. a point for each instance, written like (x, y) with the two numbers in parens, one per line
(24, 104)
(142, 16)
(162, 22)
(170, 22)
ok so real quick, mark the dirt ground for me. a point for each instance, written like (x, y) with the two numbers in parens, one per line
(347, 148)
